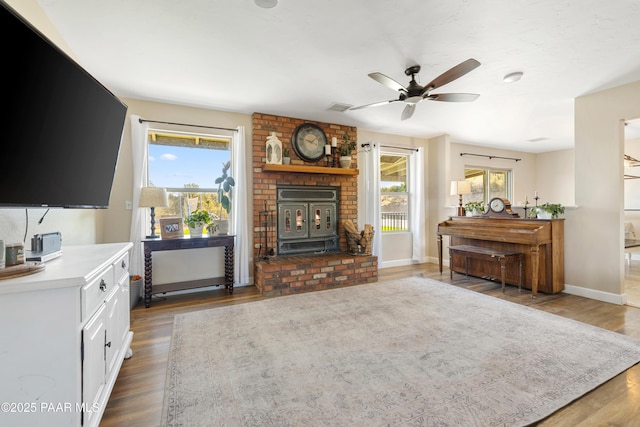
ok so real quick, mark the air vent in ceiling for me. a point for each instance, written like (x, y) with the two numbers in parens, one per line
(339, 107)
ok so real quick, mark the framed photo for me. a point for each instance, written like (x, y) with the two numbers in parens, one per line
(171, 228)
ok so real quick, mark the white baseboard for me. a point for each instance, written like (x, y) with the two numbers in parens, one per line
(397, 263)
(619, 299)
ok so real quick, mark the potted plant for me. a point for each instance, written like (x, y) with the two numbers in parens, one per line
(285, 157)
(345, 149)
(196, 221)
(225, 184)
(549, 210)
(474, 208)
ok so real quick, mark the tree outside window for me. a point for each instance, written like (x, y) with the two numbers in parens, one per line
(487, 184)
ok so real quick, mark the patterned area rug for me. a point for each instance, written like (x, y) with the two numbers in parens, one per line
(411, 352)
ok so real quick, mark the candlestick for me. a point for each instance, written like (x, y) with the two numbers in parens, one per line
(334, 142)
(327, 153)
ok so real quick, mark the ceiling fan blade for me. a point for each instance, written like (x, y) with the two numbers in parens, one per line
(387, 81)
(453, 97)
(454, 73)
(408, 111)
(375, 104)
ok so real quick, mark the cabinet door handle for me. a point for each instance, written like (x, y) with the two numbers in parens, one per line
(124, 264)
(103, 285)
(108, 344)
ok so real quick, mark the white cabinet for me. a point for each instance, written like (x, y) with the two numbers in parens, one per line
(93, 362)
(64, 333)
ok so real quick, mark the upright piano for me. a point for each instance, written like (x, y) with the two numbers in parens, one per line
(540, 241)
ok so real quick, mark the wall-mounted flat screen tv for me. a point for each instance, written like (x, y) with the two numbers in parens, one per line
(61, 129)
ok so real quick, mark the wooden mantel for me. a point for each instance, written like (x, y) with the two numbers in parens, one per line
(308, 169)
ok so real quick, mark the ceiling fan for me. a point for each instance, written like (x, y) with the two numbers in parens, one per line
(630, 162)
(415, 93)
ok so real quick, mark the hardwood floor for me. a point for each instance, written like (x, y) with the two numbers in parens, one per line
(136, 399)
(632, 282)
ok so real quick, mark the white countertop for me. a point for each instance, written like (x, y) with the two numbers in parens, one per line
(76, 266)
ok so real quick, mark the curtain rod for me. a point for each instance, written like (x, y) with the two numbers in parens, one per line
(186, 124)
(490, 157)
(389, 146)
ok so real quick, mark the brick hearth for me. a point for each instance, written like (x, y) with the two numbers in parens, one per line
(292, 274)
(305, 273)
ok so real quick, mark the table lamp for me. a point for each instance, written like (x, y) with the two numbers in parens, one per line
(153, 197)
(460, 188)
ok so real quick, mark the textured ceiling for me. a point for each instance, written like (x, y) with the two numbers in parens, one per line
(302, 56)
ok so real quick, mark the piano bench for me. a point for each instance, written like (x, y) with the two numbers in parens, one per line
(486, 254)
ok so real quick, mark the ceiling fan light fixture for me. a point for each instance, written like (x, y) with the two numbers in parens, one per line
(413, 99)
(512, 77)
(266, 4)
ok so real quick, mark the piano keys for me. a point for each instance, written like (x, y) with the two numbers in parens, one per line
(540, 241)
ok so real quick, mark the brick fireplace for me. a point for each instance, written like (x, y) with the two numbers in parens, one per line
(309, 272)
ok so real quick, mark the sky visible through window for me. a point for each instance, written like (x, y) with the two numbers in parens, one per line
(173, 166)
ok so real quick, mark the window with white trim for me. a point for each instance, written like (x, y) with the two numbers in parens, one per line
(187, 165)
(487, 183)
(394, 192)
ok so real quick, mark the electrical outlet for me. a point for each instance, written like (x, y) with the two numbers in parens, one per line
(128, 205)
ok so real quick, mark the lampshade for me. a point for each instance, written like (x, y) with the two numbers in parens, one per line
(464, 187)
(460, 187)
(153, 197)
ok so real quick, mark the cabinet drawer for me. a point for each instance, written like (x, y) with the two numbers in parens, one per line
(121, 269)
(94, 293)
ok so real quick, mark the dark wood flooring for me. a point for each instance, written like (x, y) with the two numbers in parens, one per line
(136, 399)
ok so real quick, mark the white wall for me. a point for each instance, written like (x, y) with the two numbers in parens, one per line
(594, 233)
(555, 177)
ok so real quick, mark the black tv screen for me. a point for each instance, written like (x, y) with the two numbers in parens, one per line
(61, 129)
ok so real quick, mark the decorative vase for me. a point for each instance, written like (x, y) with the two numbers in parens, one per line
(212, 229)
(286, 160)
(345, 161)
(223, 226)
(197, 230)
(544, 214)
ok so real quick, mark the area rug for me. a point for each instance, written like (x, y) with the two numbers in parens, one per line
(410, 352)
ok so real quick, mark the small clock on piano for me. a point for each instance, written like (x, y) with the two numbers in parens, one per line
(499, 207)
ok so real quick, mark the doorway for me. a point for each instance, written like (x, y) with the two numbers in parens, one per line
(632, 212)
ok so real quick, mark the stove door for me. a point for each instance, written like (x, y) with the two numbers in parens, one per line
(292, 221)
(323, 220)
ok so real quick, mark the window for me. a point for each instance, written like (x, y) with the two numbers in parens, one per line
(487, 184)
(187, 165)
(394, 195)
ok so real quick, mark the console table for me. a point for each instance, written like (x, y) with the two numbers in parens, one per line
(151, 245)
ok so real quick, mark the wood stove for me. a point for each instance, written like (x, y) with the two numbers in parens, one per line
(307, 218)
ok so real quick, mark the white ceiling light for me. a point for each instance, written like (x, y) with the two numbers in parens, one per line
(512, 77)
(266, 4)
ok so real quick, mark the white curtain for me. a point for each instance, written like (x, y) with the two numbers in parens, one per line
(372, 197)
(239, 221)
(139, 133)
(417, 214)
